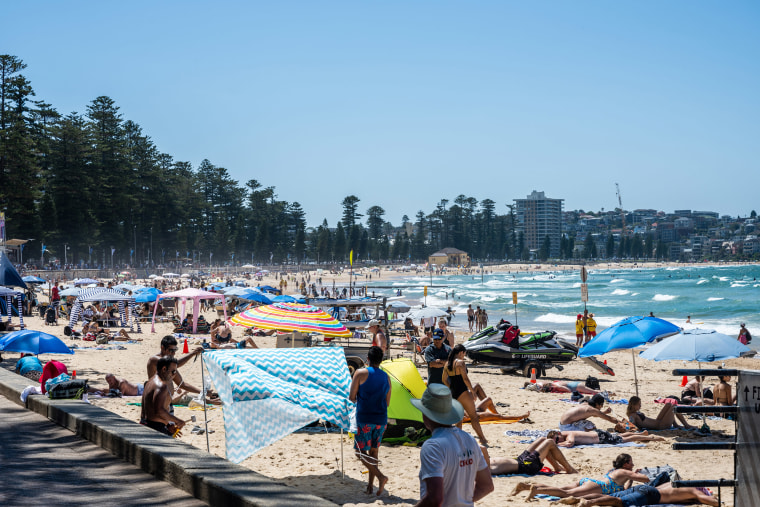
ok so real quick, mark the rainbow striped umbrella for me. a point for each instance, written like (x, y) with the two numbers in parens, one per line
(291, 317)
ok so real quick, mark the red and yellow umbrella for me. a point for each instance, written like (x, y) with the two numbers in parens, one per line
(291, 317)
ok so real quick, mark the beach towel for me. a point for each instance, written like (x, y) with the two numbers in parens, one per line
(622, 444)
(533, 434)
(612, 402)
(544, 471)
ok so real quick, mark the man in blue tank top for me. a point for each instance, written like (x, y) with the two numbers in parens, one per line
(371, 391)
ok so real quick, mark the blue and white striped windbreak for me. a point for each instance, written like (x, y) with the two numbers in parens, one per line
(270, 393)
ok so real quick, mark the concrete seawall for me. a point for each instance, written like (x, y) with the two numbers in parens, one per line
(207, 477)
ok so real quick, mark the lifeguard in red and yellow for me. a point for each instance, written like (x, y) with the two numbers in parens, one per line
(590, 327)
(579, 331)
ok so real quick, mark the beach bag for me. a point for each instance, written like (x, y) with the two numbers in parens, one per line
(592, 382)
(101, 339)
(68, 389)
(656, 473)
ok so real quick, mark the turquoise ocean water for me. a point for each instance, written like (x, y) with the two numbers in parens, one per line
(716, 297)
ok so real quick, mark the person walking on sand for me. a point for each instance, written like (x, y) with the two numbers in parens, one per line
(453, 470)
(470, 317)
(455, 376)
(371, 391)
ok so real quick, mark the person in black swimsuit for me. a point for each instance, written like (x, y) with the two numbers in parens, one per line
(455, 376)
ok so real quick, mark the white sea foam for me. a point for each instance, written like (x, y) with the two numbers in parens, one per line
(715, 299)
(702, 281)
(557, 318)
(663, 297)
(620, 292)
(618, 280)
(736, 284)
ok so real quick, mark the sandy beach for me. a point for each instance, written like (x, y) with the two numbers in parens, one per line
(312, 461)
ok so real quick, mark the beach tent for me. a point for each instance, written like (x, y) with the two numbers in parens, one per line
(196, 295)
(9, 277)
(103, 294)
(6, 304)
(270, 393)
(406, 383)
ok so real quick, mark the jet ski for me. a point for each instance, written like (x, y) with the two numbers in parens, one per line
(503, 345)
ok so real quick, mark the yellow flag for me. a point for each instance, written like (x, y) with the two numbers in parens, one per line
(351, 257)
(425, 290)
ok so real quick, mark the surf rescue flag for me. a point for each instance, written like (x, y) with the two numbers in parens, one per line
(351, 257)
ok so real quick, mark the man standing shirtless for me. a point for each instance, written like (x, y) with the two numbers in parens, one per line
(470, 317)
(158, 396)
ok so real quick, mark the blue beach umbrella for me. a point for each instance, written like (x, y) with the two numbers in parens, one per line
(703, 345)
(256, 296)
(147, 296)
(33, 279)
(629, 333)
(284, 298)
(33, 342)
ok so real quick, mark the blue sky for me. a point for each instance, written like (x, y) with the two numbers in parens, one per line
(406, 103)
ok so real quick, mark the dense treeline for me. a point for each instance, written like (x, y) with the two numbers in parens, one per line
(95, 183)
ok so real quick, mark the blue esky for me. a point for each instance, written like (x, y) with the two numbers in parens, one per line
(406, 103)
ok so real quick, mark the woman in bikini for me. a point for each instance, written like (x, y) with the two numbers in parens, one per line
(455, 376)
(665, 419)
(617, 479)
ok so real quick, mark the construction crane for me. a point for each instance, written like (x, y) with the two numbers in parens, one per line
(622, 213)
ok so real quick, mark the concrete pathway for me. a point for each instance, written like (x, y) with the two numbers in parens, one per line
(42, 463)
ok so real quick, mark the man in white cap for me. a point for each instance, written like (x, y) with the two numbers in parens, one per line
(378, 337)
(453, 471)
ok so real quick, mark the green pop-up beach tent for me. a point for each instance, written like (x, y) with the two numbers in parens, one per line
(406, 383)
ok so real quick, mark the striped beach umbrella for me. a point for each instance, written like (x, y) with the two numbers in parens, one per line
(291, 317)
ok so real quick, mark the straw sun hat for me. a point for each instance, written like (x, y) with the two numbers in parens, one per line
(436, 403)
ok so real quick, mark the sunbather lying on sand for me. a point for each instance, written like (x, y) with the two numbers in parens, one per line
(597, 436)
(530, 462)
(643, 494)
(615, 480)
(562, 386)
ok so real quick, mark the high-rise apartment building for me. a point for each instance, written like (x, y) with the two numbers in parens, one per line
(538, 217)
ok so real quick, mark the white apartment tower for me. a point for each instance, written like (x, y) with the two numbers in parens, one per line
(538, 217)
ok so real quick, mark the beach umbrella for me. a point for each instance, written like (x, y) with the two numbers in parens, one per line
(626, 334)
(291, 317)
(428, 312)
(171, 275)
(147, 296)
(152, 276)
(33, 279)
(73, 291)
(284, 298)
(703, 345)
(33, 342)
(256, 296)
(85, 281)
(398, 307)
